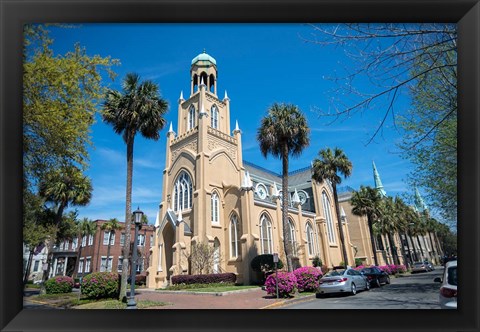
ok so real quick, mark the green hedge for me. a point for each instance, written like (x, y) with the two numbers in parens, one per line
(101, 285)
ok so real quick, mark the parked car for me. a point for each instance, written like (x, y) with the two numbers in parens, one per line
(420, 267)
(429, 265)
(448, 290)
(343, 281)
(375, 276)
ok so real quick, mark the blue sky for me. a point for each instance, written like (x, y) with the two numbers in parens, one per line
(258, 64)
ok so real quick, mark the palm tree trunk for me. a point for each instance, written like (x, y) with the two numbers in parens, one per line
(421, 249)
(409, 252)
(340, 226)
(372, 240)
(79, 255)
(414, 247)
(286, 233)
(108, 250)
(393, 249)
(433, 246)
(128, 219)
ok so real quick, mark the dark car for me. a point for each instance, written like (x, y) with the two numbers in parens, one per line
(375, 276)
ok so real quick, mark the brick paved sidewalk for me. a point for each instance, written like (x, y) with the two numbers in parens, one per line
(251, 299)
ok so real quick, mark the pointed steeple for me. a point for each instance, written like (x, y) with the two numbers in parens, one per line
(378, 182)
(201, 82)
(343, 215)
(170, 130)
(247, 182)
(296, 199)
(226, 96)
(181, 97)
(419, 203)
(237, 129)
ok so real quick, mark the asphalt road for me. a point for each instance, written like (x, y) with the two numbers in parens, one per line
(417, 291)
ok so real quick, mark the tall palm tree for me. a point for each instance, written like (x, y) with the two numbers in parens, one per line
(111, 226)
(388, 224)
(283, 132)
(65, 186)
(328, 168)
(403, 224)
(366, 202)
(85, 227)
(139, 108)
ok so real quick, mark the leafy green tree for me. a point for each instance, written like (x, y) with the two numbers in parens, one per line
(366, 202)
(85, 227)
(283, 132)
(139, 108)
(61, 93)
(111, 227)
(63, 187)
(327, 168)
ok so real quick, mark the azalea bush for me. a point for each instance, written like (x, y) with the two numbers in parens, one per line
(307, 278)
(101, 285)
(392, 269)
(287, 284)
(59, 285)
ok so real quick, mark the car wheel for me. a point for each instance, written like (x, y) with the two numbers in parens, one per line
(367, 285)
(353, 289)
(388, 280)
(377, 282)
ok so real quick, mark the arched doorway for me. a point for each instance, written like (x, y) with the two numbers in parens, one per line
(168, 235)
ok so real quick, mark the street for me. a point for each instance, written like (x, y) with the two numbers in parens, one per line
(417, 291)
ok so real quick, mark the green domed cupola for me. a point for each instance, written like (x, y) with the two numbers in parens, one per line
(204, 57)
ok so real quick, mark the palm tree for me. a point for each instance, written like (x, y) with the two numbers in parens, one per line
(366, 202)
(111, 227)
(403, 224)
(85, 227)
(65, 186)
(284, 132)
(138, 108)
(327, 168)
(388, 224)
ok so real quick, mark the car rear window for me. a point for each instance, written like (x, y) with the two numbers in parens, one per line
(335, 273)
(368, 270)
(452, 275)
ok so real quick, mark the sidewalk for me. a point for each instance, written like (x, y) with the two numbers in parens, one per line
(245, 299)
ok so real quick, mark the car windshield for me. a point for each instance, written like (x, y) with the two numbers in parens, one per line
(452, 275)
(335, 273)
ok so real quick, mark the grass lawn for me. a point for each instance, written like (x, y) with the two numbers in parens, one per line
(75, 301)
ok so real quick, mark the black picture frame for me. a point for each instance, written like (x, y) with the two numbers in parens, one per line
(15, 13)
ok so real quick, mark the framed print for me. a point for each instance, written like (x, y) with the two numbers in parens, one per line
(274, 56)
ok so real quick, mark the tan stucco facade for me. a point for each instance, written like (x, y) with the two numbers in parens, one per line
(207, 186)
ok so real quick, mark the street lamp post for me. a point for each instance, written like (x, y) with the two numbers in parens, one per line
(138, 224)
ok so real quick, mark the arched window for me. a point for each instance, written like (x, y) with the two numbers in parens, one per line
(182, 192)
(214, 117)
(293, 238)
(215, 208)
(234, 236)
(216, 256)
(328, 216)
(266, 242)
(191, 118)
(311, 240)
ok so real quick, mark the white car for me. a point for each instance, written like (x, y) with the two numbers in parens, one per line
(448, 290)
(343, 281)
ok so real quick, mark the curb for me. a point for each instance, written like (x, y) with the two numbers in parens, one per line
(290, 301)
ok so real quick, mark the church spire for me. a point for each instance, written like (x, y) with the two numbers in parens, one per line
(378, 182)
(419, 203)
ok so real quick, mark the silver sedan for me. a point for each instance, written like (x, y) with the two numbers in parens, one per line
(343, 281)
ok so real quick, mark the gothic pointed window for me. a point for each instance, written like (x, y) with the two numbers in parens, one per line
(311, 240)
(215, 208)
(328, 217)
(182, 192)
(214, 117)
(191, 118)
(266, 243)
(293, 238)
(234, 236)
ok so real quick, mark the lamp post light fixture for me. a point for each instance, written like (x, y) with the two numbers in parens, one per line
(137, 214)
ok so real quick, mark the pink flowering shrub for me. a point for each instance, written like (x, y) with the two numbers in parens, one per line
(307, 278)
(59, 285)
(393, 269)
(287, 284)
(100, 285)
